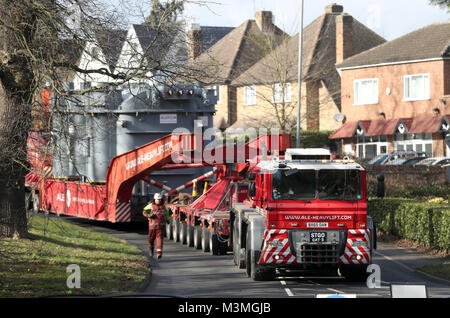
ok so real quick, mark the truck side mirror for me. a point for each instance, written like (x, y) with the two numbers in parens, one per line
(252, 176)
(251, 189)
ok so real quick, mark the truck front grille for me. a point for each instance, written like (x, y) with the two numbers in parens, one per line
(317, 253)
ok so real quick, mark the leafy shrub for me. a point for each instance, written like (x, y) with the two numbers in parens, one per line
(424, 222)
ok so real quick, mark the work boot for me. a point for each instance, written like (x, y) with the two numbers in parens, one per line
(159, 256)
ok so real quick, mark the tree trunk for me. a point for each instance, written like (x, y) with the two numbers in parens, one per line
(13, 220)
(14, 123)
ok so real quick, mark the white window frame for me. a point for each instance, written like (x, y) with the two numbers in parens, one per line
(277, 98)
(250, 95)
(364, 100)
(376, 141)
(415, 142)
(218, 93)
(407, 85)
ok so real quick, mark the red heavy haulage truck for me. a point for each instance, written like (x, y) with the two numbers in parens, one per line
(295, 210)
(273, 207)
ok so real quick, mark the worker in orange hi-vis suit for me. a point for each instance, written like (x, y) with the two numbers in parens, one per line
(46, 99)
(158, 214)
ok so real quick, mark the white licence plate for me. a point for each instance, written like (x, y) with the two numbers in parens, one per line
(317, 225)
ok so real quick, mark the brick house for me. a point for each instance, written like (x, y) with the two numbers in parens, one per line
(235, 53)
(396, 96)
(266, 92)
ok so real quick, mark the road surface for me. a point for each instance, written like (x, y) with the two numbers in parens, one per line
(187, 272)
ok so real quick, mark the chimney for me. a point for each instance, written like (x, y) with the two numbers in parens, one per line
(334, 8)
(264, 19)
(195, 36)
(344, 37)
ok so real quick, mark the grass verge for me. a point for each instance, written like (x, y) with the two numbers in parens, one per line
(37, 266)
(439, 270)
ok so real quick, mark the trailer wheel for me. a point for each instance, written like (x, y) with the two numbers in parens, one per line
(198, 237)
(223, 248)
(183, 232)
(190, 236)
(240, 263)
(205, 239)
(169, 233)
(214, 244)
(35, 202)
(176, 231)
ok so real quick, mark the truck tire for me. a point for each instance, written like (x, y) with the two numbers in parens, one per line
(254, 270)
(190, 236)
(176, 231)
(198, 237)
(214, 244)
(183, 232)
(354, 273)
(223, 248)
(205, 239)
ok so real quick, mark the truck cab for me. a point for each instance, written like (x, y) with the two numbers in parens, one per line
(307, 211)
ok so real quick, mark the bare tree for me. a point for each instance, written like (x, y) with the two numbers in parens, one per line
(40, 41)
(275, 77)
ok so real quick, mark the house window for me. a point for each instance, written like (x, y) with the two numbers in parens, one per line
(277, 93)
(417, 87)
(250, 95)
(414, 142)
(370, 147)
(217, 92)
(366, 91)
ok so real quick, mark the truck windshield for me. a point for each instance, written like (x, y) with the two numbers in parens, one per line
(294, 184)
(340, 185)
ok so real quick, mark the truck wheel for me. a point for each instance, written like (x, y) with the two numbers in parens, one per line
(254, 270)
(259, 272)
(176, 231)
(214, 244)
(183, 232)
(190, 236)
(205, 239)
(354, 273)
(198, 237)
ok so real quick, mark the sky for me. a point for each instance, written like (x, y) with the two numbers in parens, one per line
(389, 18)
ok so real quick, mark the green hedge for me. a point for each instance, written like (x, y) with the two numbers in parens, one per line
(423, 222)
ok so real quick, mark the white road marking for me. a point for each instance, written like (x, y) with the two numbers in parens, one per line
(394, 261)
(336, 291)
(287, 290)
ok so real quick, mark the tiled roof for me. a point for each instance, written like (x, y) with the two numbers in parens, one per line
(111, 42)
(429, 42)
(235, 52)
(212, 34)
(319, 55)
(416, 125)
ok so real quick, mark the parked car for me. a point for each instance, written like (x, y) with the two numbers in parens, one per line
(405, 161)
(435, 161)
(385, 158)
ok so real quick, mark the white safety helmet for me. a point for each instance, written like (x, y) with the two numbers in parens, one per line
(157, 196)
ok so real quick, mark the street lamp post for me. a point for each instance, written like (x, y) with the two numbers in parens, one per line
(300, 70)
